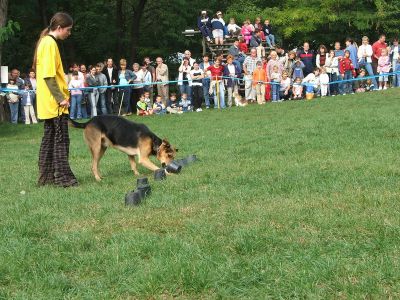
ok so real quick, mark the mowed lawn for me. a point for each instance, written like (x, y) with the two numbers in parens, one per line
(294, 200)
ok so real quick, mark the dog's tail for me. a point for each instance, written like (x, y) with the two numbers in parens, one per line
(78, 124)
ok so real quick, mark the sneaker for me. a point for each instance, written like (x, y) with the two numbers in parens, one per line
(380, 88)
(207, 107)
(199, 110)
(385, 88)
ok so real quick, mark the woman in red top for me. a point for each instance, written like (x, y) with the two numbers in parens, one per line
(217, 84)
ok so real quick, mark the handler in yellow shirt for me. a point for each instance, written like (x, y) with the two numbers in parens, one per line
(53, 103)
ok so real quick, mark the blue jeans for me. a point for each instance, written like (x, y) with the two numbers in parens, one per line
(348, 86)
(275, 91)
(187, 89)
(206, 88)
(368, 68)
(221, 93)
(270, 39)
(14, 112)
(102, 100)
(125, 98)
(76, 107)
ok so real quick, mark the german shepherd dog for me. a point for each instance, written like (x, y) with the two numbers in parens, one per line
(131, 138)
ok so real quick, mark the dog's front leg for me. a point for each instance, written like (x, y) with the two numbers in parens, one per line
(133, 164)
(146, 162)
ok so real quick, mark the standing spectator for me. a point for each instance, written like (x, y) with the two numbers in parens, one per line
(76, 96)
(321, 56)
(204, 25)
(231, 74)
(184, 79)
(102, 91)
(53, 103)
(111, 73)
(394, 56)
(93, 82)
(324, 82)
(347, 72)
(298, 67)
(237, 55)
(85, 93)
(217, 84)
(365, 54)
(188, 55)
(147, 83)
(31, 80)
(284, 92)
(249, 65)
(275, 77)
(204, 65)
(217, 25)
(197, 76)
(233, 28)
(15, 74)
(13, 99)
(332, 69)
(162, 80)
(288, 66)
(352, 47)
(377, 50)
(339, 54)
(267, 85)
(27, 100)
(274, 61)
(307, 57)
(125, 78)
(259, 79)
(383, 67)
(152, 71)
(137, 88)
(269, 36)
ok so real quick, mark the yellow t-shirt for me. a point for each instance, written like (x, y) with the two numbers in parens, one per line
(49, 64)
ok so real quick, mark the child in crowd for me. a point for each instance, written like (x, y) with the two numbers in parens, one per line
(324, 82)
(173, 106)
(185, 103)
(247, 30)
(13, 99)
(148, 99)
(142, 108)
(76, 96)
(275, 82)
(347, 72)
(197, 76)
(284, 92)
(260, 51)
(288, 65)
(158, 107)
(311, 81)
(332, 69)
(297, 89)
(259, 79)
(297, 68)
(362, 85)
(383, 67)
(28, 98)
(243, 45)
(233, 28)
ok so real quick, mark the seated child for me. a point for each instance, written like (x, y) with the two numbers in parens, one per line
(173, 106)
(185, 104)
(159, 107)
(147, 99)
(362, 85)
(142, 109)
(233, 28)
(297, 89)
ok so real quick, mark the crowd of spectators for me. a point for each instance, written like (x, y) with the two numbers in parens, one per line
(105, 88)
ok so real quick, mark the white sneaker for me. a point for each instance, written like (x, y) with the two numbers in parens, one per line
(380, 88)
(385, 88)
(199, 109)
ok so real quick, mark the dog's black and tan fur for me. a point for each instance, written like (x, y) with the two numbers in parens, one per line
(131, 138)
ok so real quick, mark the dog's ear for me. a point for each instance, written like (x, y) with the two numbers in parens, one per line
(166, 143)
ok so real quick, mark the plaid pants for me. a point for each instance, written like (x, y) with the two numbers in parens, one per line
(53, 156)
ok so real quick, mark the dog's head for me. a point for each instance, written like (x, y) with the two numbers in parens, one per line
(166, 153)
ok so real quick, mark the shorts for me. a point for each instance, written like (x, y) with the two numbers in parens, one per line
(218, 33)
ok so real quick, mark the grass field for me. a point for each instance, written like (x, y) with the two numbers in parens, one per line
(296, 200)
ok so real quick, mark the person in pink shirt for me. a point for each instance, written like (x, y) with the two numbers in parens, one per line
(247, 31)
(383, 67)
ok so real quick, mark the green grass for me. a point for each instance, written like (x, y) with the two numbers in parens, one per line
(296, 200)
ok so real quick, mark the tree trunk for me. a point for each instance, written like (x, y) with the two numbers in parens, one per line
(42, 12)
(135, 32)
(119, 22)
(3, 18)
